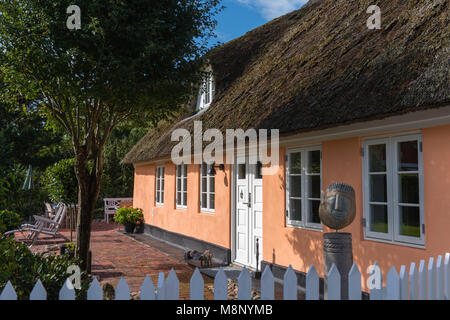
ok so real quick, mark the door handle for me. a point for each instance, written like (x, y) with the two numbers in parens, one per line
(249, 203)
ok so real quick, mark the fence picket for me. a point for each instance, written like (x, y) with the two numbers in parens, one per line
(440, 284)
(197, 286)
(403, 283)
(220, 285)
(244, 285)
(122, 290)
(290, 284)
(160, 293)
(413, 279)
(267, 285)
(147, 289)
(354, 283)
(95, 291)
(8, 292)
(172, 286)
(334, 284)
(447, 276)
(67, 291)
(38, 292)
(392, 285)
(431, 279)
(312, 284)
(377, 292)
(422, 280)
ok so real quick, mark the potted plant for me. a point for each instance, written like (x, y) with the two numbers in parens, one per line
(129, 217)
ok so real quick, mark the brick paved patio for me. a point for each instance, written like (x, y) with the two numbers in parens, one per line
(115, 255)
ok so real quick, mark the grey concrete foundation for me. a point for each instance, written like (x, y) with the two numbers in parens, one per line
(337, 249)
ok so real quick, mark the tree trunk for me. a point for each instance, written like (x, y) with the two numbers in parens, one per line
(88, 191)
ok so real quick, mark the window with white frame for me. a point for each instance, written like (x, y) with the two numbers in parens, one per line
(393, 189)
(181, 186)
(159, 194)
(206, 94)
(303, 187)
(207, 189)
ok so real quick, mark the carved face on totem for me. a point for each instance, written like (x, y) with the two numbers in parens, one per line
(337, 208)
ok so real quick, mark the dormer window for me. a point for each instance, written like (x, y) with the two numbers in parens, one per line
(206, 94)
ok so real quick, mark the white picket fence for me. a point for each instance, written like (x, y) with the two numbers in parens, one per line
(430, 281)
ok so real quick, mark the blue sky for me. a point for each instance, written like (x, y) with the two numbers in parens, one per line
(241, 16)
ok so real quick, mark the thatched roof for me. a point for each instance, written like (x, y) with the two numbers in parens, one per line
(320, 67)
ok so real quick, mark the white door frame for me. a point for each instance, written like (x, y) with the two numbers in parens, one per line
(251, 264)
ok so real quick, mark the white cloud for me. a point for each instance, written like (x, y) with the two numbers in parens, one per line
(271, 9)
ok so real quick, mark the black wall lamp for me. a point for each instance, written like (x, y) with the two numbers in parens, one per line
(212, 170)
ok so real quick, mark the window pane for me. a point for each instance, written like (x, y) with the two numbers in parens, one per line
(410, 221)
(314, 186)
(204, 184)
(408, 156)
(204, 200)
(162, 196)
(377, 158)
(185, 199)
(314, 161)
(178, 198)
(158, 185)
(211, 201)
(295, 210)
(185, 170)
(179, 170)
(295, 186)
(378, 218)
(409, 188)
(378, 190)
(313, 214)
(241, 171)
(295, 166)
(212, 184)
(178, 184)
(185, 184)
(204, 169)
(157, 197)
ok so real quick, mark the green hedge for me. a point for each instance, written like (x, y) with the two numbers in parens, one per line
(23, 268)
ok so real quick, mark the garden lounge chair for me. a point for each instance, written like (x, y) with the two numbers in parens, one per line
(44, 225)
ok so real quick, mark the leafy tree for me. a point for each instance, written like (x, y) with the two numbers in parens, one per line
(60, 182)
(131, 59)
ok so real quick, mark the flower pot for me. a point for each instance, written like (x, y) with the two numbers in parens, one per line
(129, 227)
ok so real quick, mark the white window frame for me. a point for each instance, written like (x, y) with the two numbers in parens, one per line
(206, 94)
(393, 235)
(160, 171)
(179, 187)
(207, 208)
(304, 223)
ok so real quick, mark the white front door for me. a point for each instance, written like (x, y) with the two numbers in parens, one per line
(249, 209)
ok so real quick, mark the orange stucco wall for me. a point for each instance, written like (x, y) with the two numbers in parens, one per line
(210, 227)
(283, 245)
(341, 161)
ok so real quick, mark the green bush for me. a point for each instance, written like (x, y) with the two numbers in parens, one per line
(129, 215)
(60, 182)
(23, 268)
(9, 220)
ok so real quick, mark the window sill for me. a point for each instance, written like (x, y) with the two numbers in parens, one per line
(210, 212)
(395, 243)
(160, 205)
(310, 228)
(181, 208)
